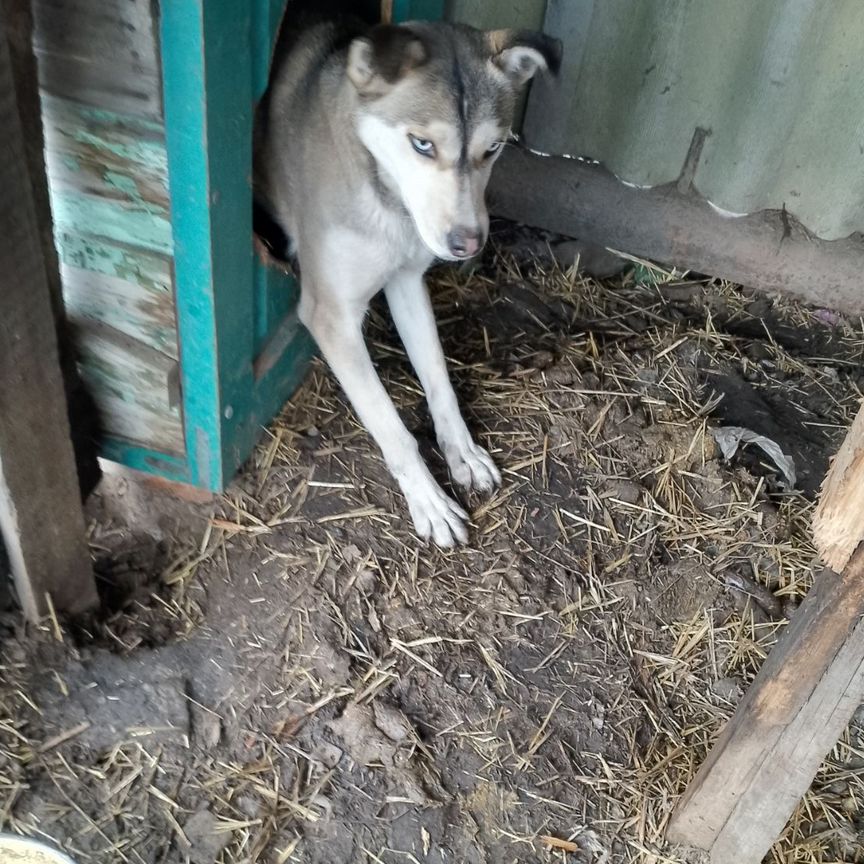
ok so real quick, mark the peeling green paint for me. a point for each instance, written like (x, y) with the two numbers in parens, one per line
(98, 116)
(150, 271)
(132, 225)
(150, 153)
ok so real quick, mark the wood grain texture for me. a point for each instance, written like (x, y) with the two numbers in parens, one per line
(103, 54)
(19, 32)
(108, 173)
(765, 251)
(105, 153)
(40, 510)
(792, 715)
(838, 524)
(141, 310)
(136, 387)
(228, 304)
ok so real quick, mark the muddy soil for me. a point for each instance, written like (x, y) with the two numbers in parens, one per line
(287, 674)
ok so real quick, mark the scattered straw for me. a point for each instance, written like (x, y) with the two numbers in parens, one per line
(563, 677)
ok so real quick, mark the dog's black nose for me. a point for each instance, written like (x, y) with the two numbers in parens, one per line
(463, 242)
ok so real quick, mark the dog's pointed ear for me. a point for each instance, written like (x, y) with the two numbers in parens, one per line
(378, 60)
(521, 54)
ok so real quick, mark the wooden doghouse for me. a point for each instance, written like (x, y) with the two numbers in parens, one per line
(188, 342)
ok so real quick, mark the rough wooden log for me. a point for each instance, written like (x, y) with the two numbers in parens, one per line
(41, 520)
(838, 524)
(673, 224)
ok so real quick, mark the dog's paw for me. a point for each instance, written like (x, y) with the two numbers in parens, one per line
(471, 467)
(436, 516)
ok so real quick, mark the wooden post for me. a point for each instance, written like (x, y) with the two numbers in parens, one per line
(41, 521)
(802, 699)
(83, 417)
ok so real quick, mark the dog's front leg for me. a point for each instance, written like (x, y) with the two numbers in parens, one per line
(338, 330)
(470, 465)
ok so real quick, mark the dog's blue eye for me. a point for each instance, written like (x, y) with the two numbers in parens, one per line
(422, 145)
(494, 148)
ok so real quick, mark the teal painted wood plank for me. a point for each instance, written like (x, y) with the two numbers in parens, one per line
(109, 178)
(139, 312)
(266, 18)
(186, 90)
(140, 458)
(129, 288)
(108, 175)
(276, 295)
(135, 388)
(107, 165)
(275, 291)
(209, 90)
(75, 128)
(151, 270)
(417, 10)
(130, 224)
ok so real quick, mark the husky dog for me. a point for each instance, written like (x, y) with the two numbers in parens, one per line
(372, 154)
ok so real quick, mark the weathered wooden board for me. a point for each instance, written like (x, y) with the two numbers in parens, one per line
(137, 388)
(19, 32)
(838, 524)
(108, 173)
(103, 54)
(106, 153)
(41, 520)
(140, 311)
(121, 220)
(802, 698)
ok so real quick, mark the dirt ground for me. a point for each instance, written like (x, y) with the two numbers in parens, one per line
(288, 675)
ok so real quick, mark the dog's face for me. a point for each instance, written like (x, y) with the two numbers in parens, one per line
(436, 104)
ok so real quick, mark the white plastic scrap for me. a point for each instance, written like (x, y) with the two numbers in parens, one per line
(730, 438)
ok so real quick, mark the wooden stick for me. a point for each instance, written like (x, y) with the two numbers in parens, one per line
(838, 524)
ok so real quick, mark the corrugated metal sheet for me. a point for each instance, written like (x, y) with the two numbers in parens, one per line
(778, 85)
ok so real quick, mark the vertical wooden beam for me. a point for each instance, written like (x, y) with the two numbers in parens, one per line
(82, 412)
(41, 520)
(802, 699)
(231, 309)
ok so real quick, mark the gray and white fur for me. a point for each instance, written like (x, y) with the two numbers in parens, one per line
(373, 151)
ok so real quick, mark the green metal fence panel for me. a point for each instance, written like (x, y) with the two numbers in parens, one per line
(776, 87)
